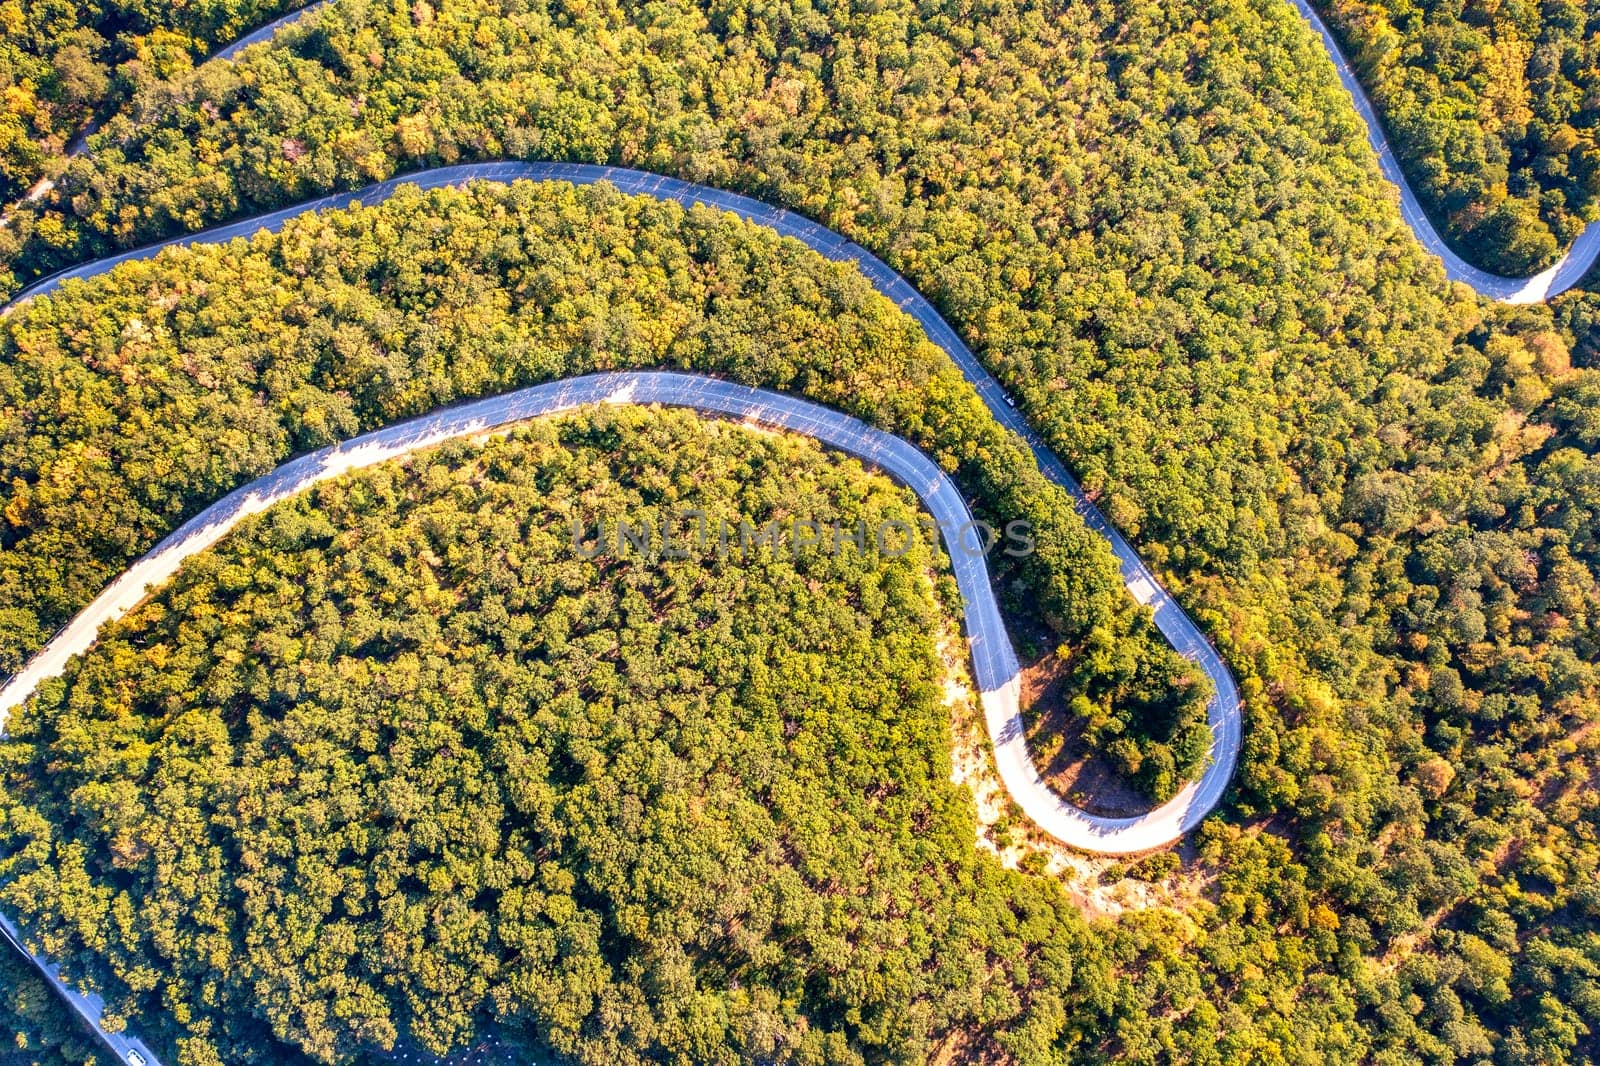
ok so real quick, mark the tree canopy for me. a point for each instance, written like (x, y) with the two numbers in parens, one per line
(113, 434)
(1157, 223)
(396, 759)
(64, 63)
(1494, 112)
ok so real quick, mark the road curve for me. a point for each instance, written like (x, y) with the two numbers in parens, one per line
(994, 662)
(1557, 279)
(1113, 836)
(1563, 275)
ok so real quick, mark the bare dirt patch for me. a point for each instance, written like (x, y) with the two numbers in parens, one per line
(1063, 756)
(1099, 886)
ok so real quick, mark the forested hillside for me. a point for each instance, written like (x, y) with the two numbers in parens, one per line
(1411, 825)
(349, 322)
(396, 759)
(1209, 136)
(1378, 495)
(1494, 112)
(63, 62)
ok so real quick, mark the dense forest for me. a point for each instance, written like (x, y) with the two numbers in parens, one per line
(1493, 109)
(36, 1029)
(343, 323)
(1376, 493)
(1494, 112)
(397, 758)
(1209, 137)
(1413, 825)
(66, 62)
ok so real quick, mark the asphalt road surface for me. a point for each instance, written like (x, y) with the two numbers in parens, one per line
(1567, 271)
(994, 662)
(996, 678)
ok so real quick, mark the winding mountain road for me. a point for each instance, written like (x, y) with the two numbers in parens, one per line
(1563, 275)
(1111, 836)
(995, 666)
